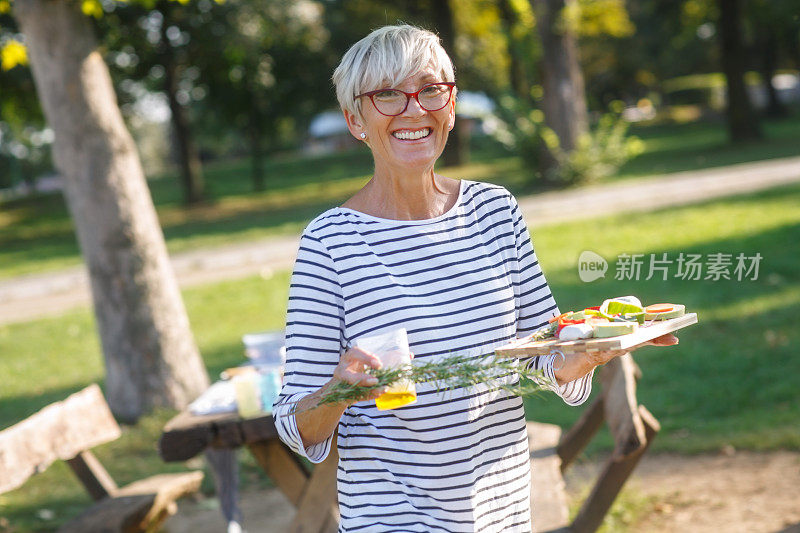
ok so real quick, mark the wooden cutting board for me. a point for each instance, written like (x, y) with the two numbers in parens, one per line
(527, 347)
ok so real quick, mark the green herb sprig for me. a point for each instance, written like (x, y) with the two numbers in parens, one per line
(449, 373)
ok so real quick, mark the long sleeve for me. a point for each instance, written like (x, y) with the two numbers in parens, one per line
(535, 305)
(314, 332)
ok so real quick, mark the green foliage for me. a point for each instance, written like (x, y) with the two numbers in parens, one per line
(24, 139)
(598, 154)
(481, 47)
(248, 74)
(593, 18)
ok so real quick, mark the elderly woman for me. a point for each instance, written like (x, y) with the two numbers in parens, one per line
(451, 262)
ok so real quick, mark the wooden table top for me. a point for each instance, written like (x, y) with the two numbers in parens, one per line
(187, 435)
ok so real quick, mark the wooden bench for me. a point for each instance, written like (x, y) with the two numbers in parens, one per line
(633, 429)
(67, 430)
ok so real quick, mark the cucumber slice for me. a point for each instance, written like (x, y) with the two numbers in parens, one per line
(621, 305)
(656, 312)
(612, 329)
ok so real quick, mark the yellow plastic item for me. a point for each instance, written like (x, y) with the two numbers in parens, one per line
(392, 400)
(248, 395)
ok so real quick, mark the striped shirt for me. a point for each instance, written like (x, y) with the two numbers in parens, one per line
(461, 283)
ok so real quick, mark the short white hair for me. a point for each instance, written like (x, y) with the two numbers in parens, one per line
(386, 57)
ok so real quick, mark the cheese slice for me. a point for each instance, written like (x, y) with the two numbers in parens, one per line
(574, 332)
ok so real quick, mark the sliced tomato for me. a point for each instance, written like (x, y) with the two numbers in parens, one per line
(555, 318)
(659, 308)
(566, 321)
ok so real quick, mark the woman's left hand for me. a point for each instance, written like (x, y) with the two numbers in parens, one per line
(668, 339)
(604, 356)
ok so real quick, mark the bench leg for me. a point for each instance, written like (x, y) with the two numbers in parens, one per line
(313, 495)
(577, 438)
(282, 467)
(611, 480)
(318, 510)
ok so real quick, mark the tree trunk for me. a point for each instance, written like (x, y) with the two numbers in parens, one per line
(769, 60)
(516, 69)
(564, 101)
(793, 44)
(742, 120)
(188, 155)
(150, 354)
(456, 152)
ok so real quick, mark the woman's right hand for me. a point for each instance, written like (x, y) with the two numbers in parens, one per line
(352, 369)
(315, 422)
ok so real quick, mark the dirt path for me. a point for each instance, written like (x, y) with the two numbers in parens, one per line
(743, 492)
(27, 297)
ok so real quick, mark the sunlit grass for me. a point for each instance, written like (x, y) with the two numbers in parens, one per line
(701, 145)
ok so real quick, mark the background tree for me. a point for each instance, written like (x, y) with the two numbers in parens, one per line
(457, 150)
(267, 73)
(743, 122)
(523, 50)
(173, 56)
(773, 23)
(150, 354)
(564, 99)
(24, 137)
(161, 38)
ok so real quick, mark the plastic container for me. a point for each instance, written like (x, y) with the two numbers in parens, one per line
(265, 349)
(392, 349)
(269, 387)
(246, 387)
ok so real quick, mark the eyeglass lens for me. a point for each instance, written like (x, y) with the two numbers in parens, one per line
(431, 98)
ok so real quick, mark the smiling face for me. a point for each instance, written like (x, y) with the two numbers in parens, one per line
(411, 141)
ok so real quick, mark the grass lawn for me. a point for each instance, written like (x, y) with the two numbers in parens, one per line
(732, 380)
(36, 234)
(728, 382)
(699, 145)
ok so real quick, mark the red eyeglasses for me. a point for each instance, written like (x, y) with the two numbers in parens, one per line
(393, 102)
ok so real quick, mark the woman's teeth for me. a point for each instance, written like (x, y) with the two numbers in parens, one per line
(412, 135)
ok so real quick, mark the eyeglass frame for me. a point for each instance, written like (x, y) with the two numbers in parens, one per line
(414, 95)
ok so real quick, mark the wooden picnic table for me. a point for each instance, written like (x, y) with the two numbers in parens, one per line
(310, 491)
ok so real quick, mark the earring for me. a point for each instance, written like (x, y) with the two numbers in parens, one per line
(363, 135)
(450, 127)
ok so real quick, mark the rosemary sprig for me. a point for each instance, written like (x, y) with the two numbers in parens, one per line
(544, 332)
(449, 373)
